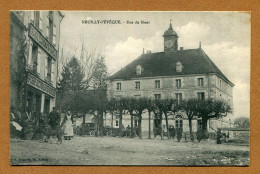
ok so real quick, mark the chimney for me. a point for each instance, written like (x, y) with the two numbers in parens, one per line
(148, 52)
(181, 48)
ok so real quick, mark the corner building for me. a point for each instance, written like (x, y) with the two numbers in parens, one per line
(42, 32)
(174, 73)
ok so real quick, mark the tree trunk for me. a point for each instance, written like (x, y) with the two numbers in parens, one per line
(140, 126)
(120, 123)
(167, 127)
(83, 126)
(101, 124)
(132, 128)
(149, 133)
(161, 126)
(112, 119)
(190, 126)
(204, 128)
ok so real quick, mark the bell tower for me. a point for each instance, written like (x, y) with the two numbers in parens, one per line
(170, 39)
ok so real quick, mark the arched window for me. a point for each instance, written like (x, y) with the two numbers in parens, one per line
(179, 121)
(179, 67)
(138, 70)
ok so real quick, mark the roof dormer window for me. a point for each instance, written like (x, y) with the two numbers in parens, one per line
(179, 67)
(138, 70)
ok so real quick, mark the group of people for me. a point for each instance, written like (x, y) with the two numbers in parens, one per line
(20, 121)
(67, 123)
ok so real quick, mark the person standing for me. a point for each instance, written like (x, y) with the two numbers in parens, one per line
(54, 118)
(68, 126)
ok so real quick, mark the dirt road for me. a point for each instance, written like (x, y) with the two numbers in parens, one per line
(125, 151)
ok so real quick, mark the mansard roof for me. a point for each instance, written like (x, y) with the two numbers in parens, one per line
(194, 61)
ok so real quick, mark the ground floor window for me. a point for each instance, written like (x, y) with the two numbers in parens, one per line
(117, 122)
(179, 124)
(136, 123)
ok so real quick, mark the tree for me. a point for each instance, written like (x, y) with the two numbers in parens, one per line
(189, 106)
(18, 65)
(164, 106)
(211, 108)
(130, 106)
(139, 108)
(100, 76)
(242, 122)
(111, 107)
(150, 106)
(120, 105)
(71, 85)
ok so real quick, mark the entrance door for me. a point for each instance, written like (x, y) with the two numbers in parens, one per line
(38, 103)
(47, 106)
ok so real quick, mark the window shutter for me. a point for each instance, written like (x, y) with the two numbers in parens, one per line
(46, 66)
(40, 20)
(38, 61)
(54, 35)
(47, 32)
(52, 71)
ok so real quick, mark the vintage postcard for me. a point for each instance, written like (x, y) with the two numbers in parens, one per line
(130, 88)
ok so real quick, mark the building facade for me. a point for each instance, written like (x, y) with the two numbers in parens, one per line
(38, 33)
(174, 73)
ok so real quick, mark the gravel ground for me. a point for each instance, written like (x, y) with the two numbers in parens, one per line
(126, 151)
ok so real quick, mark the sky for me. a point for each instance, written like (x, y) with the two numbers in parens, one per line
(225, 37)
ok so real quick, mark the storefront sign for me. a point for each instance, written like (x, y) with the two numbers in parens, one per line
(41, 85)
(42, 41)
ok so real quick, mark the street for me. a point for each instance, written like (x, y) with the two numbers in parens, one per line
(126, 151)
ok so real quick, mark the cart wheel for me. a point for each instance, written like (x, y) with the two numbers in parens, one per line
(109, 133)
(92, 133)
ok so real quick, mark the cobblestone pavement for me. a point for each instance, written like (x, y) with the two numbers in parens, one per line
(125, 151)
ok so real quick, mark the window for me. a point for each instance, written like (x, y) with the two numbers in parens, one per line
(52, 71)
(179, 67)
(220, 84)
(117, 122)
(201, 96)
(118, 86)
(137, 85)
(200, 82)
(48, 69)
(54, 35)
(157, 83)
(138, 70)
(178, 97)
(178, 83)
(136, 123)
(35, 58)
(179, 124)
(51, 26)
(157, 96)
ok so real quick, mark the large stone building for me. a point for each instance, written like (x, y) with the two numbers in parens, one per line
(174, 73)
(34, 39)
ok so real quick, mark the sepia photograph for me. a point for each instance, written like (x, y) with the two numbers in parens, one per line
(130, 88)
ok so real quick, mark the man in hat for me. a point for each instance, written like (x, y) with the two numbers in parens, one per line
(54, 118)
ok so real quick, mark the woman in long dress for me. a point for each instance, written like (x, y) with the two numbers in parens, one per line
(68, 126)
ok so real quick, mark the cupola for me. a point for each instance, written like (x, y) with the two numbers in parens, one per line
(170, 39)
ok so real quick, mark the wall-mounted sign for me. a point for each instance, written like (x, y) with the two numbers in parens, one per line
(42, 41)
(40, 85)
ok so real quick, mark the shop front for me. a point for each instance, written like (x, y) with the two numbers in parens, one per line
(40, 96)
